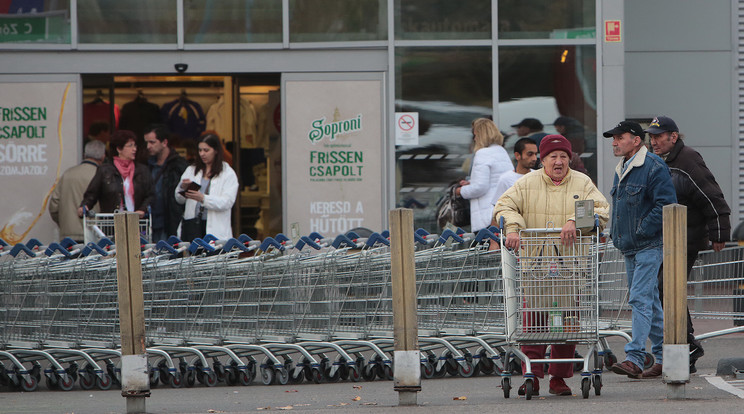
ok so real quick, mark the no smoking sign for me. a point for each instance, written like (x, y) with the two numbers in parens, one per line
(406, 128)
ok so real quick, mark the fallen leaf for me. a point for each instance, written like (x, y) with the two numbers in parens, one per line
(342, 404)
(290, 391)
(301, 405)
(698, 388)
(357, 398)
(289, 407)
(369, 403)
(357, 387)
(462, 397)
(263, 408)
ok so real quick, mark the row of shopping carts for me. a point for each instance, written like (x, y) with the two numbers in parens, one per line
(314, 309)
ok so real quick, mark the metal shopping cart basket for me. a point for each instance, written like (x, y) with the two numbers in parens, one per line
(98, 226)
(551, 298)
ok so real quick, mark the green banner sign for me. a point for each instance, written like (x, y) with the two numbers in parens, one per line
(49, 27)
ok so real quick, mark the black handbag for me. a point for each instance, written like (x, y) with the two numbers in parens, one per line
(452, 208)
(193, 228)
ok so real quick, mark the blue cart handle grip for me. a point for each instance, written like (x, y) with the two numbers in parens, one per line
(377, 238)
(56, 247)
(485, 234)
(342, 240)
(305, 241)
(450, 234)
(20, 247)
(232, 243)
(268, 242)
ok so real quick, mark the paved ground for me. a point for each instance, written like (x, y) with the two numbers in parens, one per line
(481, 394)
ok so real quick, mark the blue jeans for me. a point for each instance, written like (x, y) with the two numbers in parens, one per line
(648, 317)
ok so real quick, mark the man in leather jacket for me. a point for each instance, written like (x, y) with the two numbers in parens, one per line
(707, 210)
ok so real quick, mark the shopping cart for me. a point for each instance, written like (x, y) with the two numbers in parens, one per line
(101, 225)
(551, 298)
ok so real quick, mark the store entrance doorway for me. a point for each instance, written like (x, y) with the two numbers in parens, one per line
(240, 109)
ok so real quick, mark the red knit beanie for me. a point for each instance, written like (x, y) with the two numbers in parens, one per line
(552, 143)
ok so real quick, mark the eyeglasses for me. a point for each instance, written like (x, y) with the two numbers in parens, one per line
(130, 144)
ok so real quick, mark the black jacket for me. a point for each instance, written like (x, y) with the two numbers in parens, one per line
(173, 168)
(107, 188)
(707, 210)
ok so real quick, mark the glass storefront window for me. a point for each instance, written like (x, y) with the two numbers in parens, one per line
(337, 20)
(35, 21)
(140, 21)
(449, 87)
(442, 19)
(232, 21)
(552, 83)
(546, 19)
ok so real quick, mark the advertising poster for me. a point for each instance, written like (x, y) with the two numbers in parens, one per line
(38, 142)
(334, 156)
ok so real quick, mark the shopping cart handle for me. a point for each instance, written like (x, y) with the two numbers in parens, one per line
(173, 240)
(20, 247)
(197, 243)
(164, 245)
(105, 242)
(460, 231)
(377, 238)
(209, 238)
(341, 241)
(352, 235)
(305, 240)
(422, 232)
(501, 223)
(450, 234)
(233, 243)
(485, 234)
(281, 238)
(67, 242)
(92, 247)
(315, 236)
(417, 238)
(268, 242)
(56, 247)
(244, 238)
(385, 234)
(33, 243)
(3, 243)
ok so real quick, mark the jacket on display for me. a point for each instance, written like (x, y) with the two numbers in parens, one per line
(223, 189)
(107, 188)
(639, 195)
(696, 187)
(488, 165)
(184, 118)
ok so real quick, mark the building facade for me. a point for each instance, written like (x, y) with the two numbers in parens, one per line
(336, 111)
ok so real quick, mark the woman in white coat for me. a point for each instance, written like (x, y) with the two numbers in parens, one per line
(489, 162)
(208, 207)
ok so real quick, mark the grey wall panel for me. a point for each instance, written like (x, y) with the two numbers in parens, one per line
(694, 88)
(652, 25)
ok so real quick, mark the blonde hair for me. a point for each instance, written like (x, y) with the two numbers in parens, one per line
(486, 134)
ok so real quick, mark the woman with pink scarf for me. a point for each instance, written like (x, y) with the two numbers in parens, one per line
(121, 185)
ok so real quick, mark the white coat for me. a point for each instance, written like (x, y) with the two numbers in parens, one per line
(488, 165)
(223, 190)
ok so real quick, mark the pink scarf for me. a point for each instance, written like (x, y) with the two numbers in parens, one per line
(126, 169)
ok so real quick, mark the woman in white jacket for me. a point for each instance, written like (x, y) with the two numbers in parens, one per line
(208, 208)
(489, 162)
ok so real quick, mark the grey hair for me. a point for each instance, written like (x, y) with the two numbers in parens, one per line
(95, 149)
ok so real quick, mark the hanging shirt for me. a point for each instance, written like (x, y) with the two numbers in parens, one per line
(184, 117)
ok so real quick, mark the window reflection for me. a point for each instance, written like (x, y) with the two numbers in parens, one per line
(552, 84)
(35, 21)
(133, 21)
(232, 21)
(337, 20)
(546, 19)
(442, 19)
(449, 88)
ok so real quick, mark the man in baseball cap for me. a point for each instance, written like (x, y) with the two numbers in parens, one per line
(641, 188)
(531, 128)
(707, 211)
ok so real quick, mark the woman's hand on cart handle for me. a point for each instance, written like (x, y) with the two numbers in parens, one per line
(568, 233)
(512, 241)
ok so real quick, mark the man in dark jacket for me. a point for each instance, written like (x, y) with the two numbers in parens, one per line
(166, 167)
(707, 210)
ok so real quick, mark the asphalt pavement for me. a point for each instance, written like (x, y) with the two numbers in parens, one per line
(619, 394)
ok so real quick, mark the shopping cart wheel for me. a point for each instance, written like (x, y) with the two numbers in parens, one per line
(485, 363)
(267, 375)
(597, 384)
(427, 371)
(368, 372)
(154, 376)
(528, 389)
(585, 387)
(354, 374)
(66, 383)
(51, 380)
(190, 378)
(29, 383)
(466, 370)
(281, 376)
(175, 380)
(610, 359)
(104, 382)
(316, 376)
(649, 362)
(451, 364)
(231, 375)
(295, 376)
(244, 378)
(87, 380)
(506, 386)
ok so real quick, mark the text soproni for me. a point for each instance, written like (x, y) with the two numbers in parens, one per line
(320, 129)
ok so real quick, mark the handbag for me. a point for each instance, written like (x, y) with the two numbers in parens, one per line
(452, 208)
(195, 227)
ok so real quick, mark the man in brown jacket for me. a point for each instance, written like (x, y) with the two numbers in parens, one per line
(69, 191)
